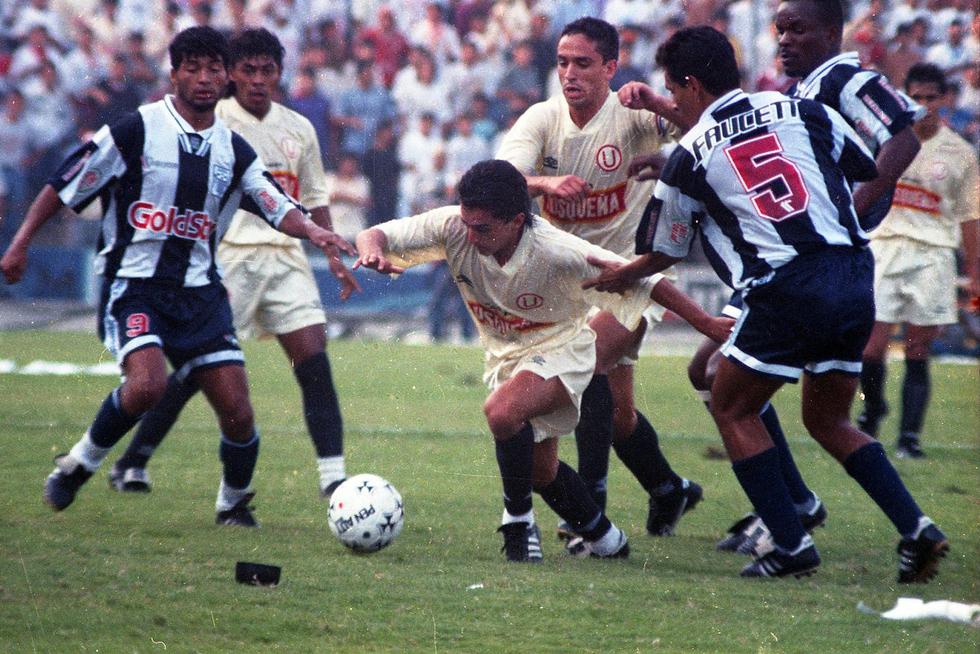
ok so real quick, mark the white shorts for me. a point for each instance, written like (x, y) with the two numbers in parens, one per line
(573, 364)
(271, 289)
(915, 283)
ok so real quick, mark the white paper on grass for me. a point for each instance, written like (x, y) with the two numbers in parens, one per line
(913, 608)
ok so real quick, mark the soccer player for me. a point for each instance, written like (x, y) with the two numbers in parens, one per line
(934, 211)
(520, 277)
(575, 150)
(766, 181)
(170, 176)
(269, 280)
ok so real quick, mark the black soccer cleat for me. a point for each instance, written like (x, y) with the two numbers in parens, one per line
(565, 532)
(738, 533)
(909, 448)
(751, 536)
(239, 515)
(522, 542)
(801, 562)
(328, 490)
(666, 510)
(129, 480)
(64, 481)
(870, 419)
(918, 557)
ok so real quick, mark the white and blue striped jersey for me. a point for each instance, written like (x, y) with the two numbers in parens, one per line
(168, 193)
(865, 98)
(763, 178)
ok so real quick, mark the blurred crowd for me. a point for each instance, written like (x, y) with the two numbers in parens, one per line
(405, 95)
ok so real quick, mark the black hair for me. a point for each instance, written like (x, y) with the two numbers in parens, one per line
(257, 42)
(701, 52)
(604, 35)
(498, 187)
(923, 73)
(198, 42)
(828, 12)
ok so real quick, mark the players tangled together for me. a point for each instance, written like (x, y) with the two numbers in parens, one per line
(783, 192)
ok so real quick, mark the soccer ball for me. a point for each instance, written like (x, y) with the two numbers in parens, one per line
(366, 513)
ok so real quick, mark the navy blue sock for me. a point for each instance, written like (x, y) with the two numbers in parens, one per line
(515, 458)
(111, 423)
(915, 396)
(797, 488)
(762, 482)
(320, 405)
(569, 498)
(239, 460)
(873, 386)
(641, 454)
(593, 437)
(870, 467)
(157, 422)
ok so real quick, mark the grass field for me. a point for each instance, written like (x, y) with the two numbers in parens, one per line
(152, 573)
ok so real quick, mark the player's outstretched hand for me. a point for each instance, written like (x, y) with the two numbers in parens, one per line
(610, 280)
(567, 187)
(13, 264)
(377, 261)
(348, 283)
(646, 166)
(331, 243)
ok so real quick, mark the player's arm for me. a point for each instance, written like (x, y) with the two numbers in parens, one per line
(566, 187)
(618, 278)
(637, 95)
(717, 328)
(894, 157)
(372, 244)
(14, 261)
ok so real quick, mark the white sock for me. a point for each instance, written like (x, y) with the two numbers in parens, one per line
(331, 469)
(507, 518)
(229, 496)
(608, 543)
(88, 453)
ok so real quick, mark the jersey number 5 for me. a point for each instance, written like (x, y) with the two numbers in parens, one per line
(774, 182)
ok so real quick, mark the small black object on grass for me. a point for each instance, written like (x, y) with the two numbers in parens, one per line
(257, 574)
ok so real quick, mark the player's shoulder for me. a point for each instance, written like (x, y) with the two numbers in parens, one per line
(545, 111)
(954, 144)
(291, 117)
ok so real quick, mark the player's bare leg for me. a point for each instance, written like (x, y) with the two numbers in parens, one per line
(526, 466)
(306, 350)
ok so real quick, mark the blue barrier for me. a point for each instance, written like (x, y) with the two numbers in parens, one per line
(57, 273)
(382, 297)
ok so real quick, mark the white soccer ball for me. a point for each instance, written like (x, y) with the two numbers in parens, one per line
(366, 513)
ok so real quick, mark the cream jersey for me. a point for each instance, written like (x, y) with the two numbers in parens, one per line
(545, 142)
(939, 190)
(287, 145)
(534, 301)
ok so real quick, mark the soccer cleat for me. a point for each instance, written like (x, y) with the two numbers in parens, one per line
(130, 480)
(522, 542)
(565, 531)
(617, 547)
(751, 536)
(239, 515)
(64, 481)
(870, 419)
(666, 510)
(327, 491)
(918, 557)
(801, 562)
(908, 448)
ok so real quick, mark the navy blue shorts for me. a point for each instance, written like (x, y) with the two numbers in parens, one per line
(815, 315)
(193, 326)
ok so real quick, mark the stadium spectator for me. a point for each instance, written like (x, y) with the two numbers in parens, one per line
(51, 119)
(934, 213)
(469, 76)
(520, 83)
(416, 156)
(951, 55)
(116, 95)
(483, 125)
(269, 280)
(350, 197)
(162, 302)
(437, 36)
(625, 70)
(306, 99)
(902, 54)
(141, 70)
(85, 63)
(390, 45)
(361, 109)
(105, 22)
(381, 167)
(418, 89)
(37, 50)
(16, 143)
(463, 151)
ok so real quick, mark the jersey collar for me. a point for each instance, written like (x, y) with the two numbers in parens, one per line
(849, 58)
(191, 140)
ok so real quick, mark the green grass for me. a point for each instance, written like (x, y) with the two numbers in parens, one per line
(152, 573)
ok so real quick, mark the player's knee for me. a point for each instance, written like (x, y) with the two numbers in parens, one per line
(501, 418)
(237, 421)
(696, 374)
(141, 393)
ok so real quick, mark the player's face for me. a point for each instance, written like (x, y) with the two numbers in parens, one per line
(491, 236)
(684, 97)
(200, 82)
(256, 80)
(927, 94)
(804, 43)
(583, 75)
